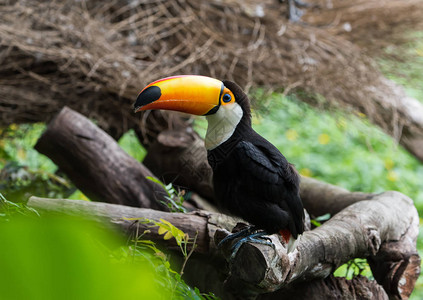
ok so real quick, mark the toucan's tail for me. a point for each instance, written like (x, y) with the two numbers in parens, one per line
(290, 241)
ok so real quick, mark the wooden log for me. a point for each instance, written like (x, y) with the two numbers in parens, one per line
(179, 156)
(125, 218)
(331, 288)
(96, 164)
(367, 228)
(388, 222)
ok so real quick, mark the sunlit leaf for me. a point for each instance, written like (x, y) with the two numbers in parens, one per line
(162, 230)
(168, 235)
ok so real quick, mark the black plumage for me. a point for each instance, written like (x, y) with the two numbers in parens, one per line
(253, 180)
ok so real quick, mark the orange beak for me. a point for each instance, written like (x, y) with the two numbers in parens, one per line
(193, 94)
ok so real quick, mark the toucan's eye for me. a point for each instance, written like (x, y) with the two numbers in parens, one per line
(226, 98)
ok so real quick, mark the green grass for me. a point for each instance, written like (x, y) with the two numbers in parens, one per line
(407, 66)
(339, 148)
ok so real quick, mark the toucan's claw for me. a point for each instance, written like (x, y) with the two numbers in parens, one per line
(249, 234)
(242, 233)
(258, 238)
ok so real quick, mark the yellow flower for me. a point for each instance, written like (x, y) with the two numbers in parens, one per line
(389, 164)
(324, 139)
(361, 115)
(341, 123)
(392, 176)
(291, 134)
(306, 172)
(21, 153)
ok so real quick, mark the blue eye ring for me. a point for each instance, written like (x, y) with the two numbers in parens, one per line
(226, 98)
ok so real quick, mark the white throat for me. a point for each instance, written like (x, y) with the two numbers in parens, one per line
(222, 124)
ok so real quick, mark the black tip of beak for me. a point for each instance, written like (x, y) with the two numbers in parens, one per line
(147, 96)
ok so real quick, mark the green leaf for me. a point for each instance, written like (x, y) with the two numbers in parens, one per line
(168, 235)
(315, 223)
(324, 217)
(162, 230)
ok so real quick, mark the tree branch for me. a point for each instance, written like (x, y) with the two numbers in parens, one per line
(96, 164)
(364, 229)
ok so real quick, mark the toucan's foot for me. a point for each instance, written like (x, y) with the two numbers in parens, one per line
(242, 233)
(249, 234)
(258, 238)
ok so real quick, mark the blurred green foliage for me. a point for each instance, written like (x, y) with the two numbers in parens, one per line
(355, 267)
(340, 148)
(51, 258)
(130, 143)
(404, 64)
(23, 171)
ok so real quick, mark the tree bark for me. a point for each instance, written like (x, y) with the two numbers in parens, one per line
(179, 156)
(331, 288)
(96, 164)
(369, 228)
(125, 218)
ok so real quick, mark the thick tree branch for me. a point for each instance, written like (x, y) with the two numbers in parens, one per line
(360, 230)
(96, 164)
(357, 231)
(123, 217)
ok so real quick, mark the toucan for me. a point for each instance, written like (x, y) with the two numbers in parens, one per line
(251, 178)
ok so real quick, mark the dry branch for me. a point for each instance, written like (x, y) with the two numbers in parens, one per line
(179, 156)
(117, 215)
(360, 230)
(96, 164)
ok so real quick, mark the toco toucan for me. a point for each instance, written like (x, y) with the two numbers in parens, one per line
(251, 178)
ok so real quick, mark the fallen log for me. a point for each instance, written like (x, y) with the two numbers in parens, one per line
(179, 156)
(368, 228)
(96, 164)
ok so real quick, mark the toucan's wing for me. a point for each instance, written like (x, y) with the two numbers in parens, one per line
(267, 164)
(278, 179)
(258, 163)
